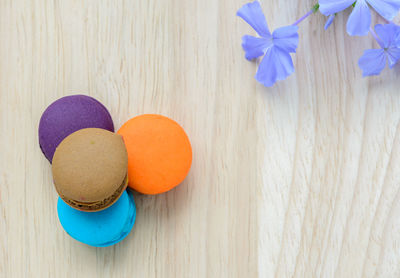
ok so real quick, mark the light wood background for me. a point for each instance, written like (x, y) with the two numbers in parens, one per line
(298, 180)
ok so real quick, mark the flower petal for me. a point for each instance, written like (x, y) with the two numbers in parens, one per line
(286, 38)
(329, 21)
(253, 15)
(386, 8)
(276, 65)
(329, 7)
(393, 56)
(372, 62)
(359, 20)
(397, 40)
(255, 47)
(397, 37)
(387, 33)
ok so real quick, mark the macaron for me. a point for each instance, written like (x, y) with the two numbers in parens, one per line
(67, 115)
(90, 169)
(159, 153)
(102, 228)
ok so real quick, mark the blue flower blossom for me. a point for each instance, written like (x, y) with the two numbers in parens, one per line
(374, 60)
(359, 21)
(329, 21)
(277, 63)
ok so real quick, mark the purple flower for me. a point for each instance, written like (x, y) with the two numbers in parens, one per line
(329, 21)
(277, 63)
(359, 21)
(374, 60)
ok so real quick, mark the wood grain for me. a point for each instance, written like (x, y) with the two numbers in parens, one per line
(298, 180)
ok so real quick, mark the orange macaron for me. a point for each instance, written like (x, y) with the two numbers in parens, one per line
(159, 153)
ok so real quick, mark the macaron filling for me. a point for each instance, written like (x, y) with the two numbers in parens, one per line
(98, 205)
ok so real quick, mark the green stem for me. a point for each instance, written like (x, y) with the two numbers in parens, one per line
(315, 8)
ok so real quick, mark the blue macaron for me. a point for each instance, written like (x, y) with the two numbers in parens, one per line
(102, 228)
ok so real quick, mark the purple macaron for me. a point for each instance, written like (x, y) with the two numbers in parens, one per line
(67, 115)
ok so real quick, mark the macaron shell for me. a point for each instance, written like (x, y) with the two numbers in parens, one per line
(159, 153)
(102, 228)
(90, 165)
(67, 115)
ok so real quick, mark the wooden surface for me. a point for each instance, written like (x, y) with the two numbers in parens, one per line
(298, 180)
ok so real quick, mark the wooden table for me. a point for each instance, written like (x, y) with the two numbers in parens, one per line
(298, 180)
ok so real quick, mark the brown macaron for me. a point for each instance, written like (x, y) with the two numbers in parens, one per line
(90, 169)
